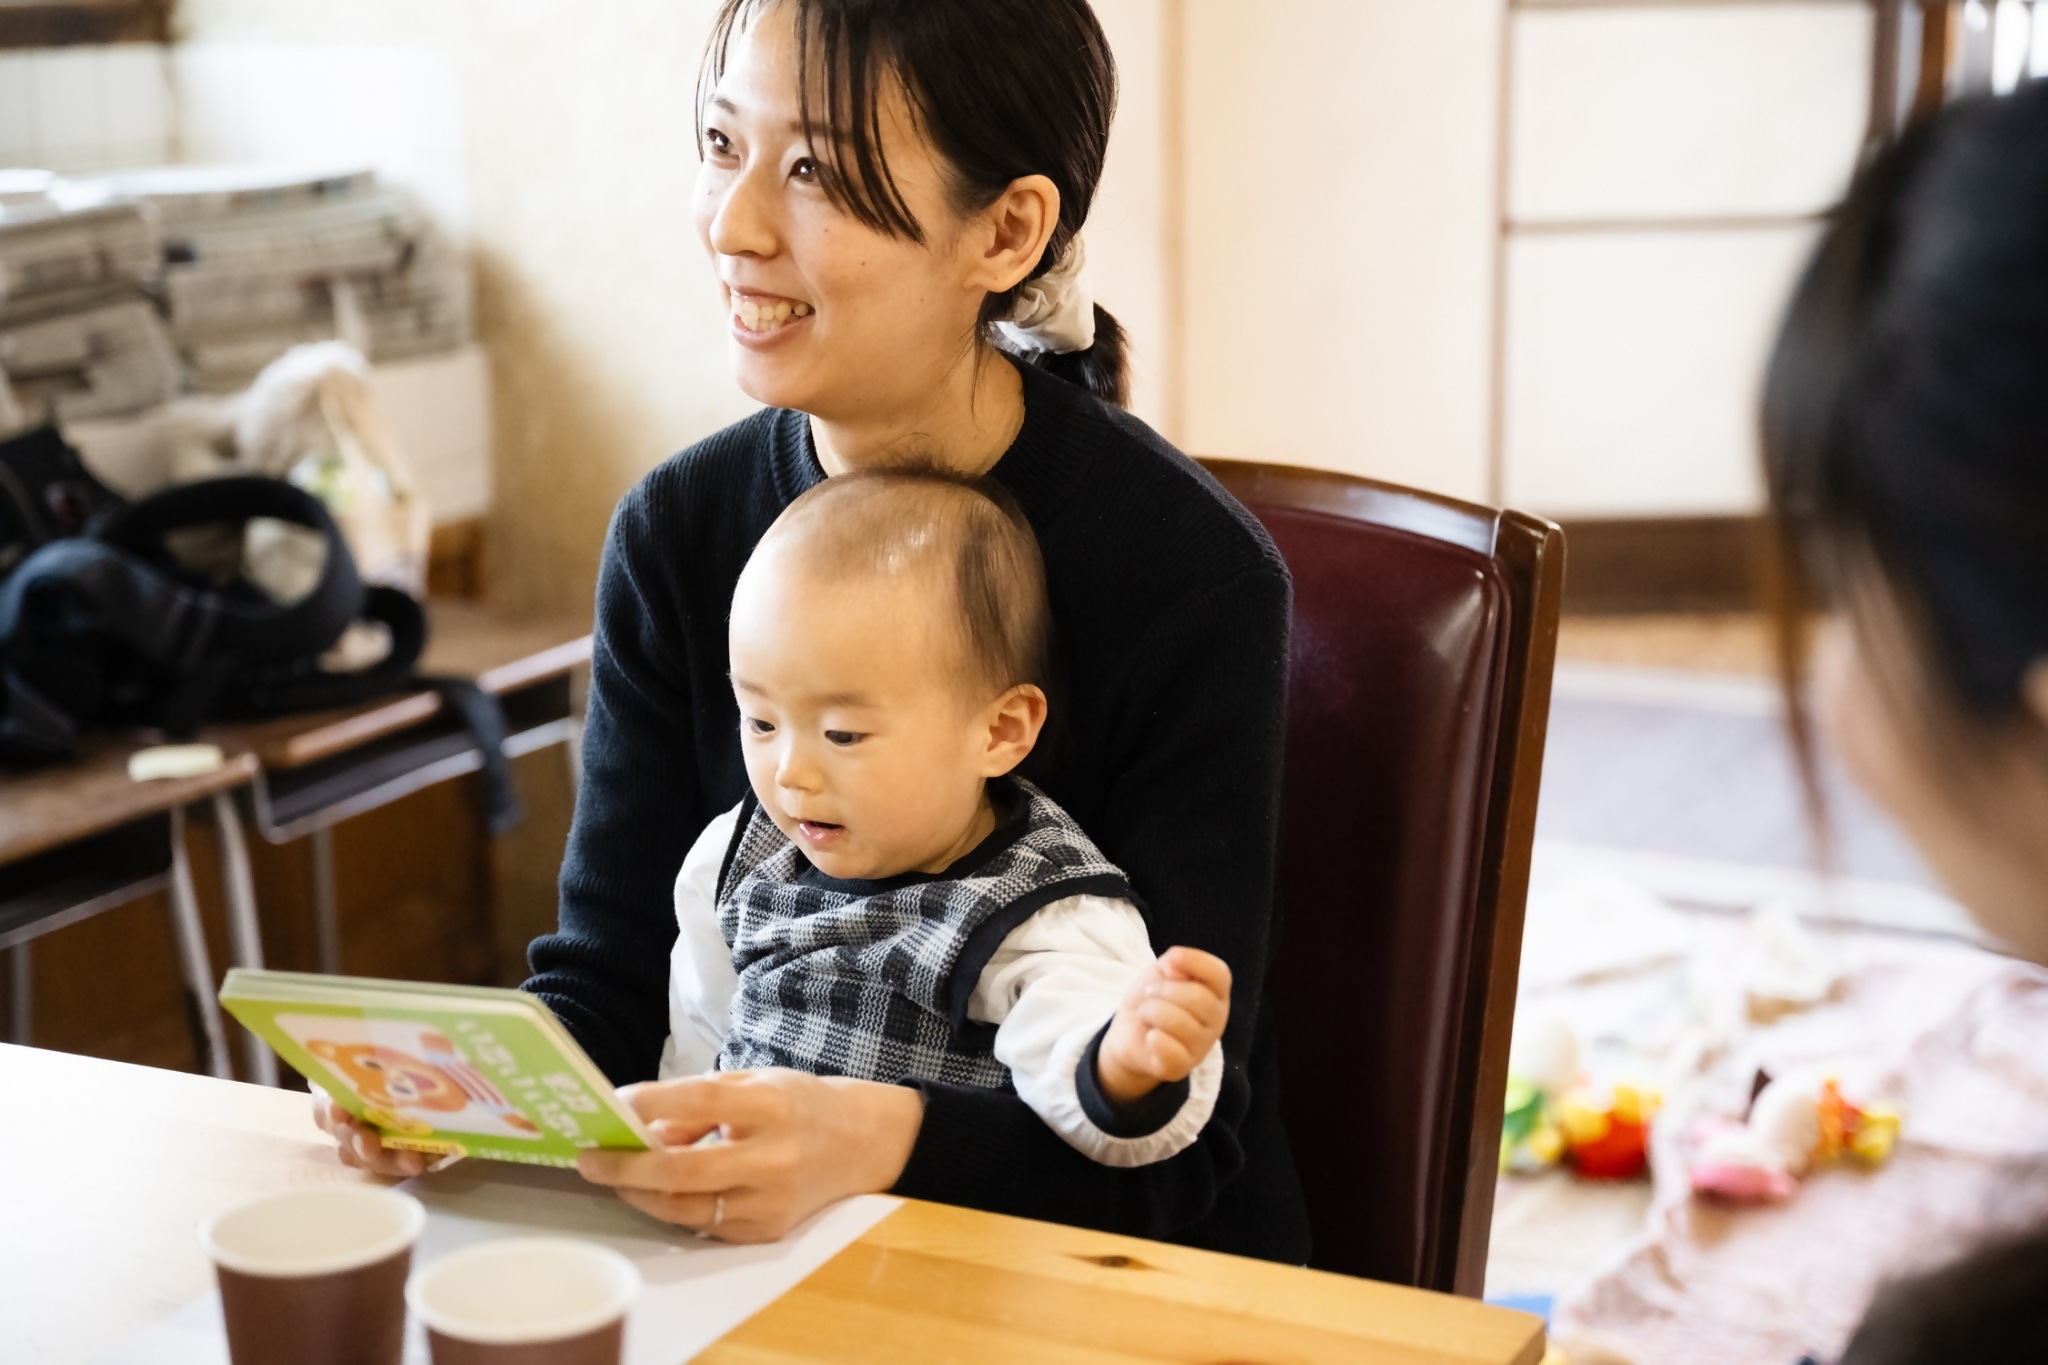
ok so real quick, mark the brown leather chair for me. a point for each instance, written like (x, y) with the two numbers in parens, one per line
(1424, 634)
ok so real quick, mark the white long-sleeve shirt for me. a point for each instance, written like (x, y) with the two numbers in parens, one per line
(1049, 988)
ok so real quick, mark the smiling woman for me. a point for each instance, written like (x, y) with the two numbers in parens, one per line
(971, 174)
(892, 194)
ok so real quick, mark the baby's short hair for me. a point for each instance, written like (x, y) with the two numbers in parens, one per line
(927, 520)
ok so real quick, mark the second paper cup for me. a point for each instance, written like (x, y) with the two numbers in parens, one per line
(525, 1300)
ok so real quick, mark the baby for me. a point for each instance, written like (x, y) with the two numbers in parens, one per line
(888, 902)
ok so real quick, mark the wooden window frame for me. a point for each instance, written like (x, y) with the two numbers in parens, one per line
(1915, 82)
(46, 23)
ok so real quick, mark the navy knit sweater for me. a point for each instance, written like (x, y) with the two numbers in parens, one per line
(1171, 611)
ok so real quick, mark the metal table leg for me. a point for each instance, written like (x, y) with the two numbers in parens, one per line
(238, 885)
(192, 956)
(326, 918)
(307, 801)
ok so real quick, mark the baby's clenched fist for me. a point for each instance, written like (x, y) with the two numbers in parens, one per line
(1172, 1015)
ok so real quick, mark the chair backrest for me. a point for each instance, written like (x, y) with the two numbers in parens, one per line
(1418, 692)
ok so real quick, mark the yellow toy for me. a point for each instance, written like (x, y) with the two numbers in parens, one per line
(1553, 1115)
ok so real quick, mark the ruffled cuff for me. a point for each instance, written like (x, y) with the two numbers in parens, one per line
(1139, 1118)
(1162, 1124)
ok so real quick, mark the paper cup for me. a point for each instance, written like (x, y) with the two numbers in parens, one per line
(524, 1301)
(315, 1277)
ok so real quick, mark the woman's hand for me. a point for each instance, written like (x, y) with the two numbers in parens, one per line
(793, 1143)
(360, 1146)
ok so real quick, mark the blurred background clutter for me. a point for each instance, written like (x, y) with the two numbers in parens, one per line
(1527, 253)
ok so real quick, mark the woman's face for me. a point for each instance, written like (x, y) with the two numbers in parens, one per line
(1985, 836)
(826, 315)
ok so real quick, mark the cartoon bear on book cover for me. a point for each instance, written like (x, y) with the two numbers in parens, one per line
(412, 1079)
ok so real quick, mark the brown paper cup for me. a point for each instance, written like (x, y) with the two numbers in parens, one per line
(526, 1301)
(315, 1277)
(601, 1347)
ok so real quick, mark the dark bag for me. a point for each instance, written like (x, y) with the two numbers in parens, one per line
(111, 626)
(46, 493)
(100, 621)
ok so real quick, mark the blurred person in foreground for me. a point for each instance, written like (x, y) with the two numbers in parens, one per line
(1906, 449)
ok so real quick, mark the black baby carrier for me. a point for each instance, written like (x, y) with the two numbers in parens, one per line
(110, 623)
(109, 613)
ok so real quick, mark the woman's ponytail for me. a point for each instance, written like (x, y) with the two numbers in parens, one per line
(1104, 369)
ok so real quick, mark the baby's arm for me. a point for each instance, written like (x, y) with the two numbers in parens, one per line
(1170, 1018)
(1052, 988)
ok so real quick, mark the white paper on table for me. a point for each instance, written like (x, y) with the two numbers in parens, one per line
(696, 1290)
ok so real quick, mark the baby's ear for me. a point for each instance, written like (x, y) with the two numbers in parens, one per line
(1014, 721)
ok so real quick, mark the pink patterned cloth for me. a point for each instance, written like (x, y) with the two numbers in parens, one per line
(1958, 1038)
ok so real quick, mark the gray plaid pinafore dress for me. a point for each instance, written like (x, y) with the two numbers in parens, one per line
(871, 979)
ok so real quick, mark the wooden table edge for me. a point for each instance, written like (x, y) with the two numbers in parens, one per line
(1086, 1256)
(405, 710)
(237, 769)
(548, 663)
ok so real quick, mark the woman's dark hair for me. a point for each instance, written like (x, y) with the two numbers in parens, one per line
(1905, 417)
(1989, 1308)
(1003, 88)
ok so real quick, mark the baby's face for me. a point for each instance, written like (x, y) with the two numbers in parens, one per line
(858, 739)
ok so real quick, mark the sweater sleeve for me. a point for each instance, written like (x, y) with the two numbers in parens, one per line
(1192, 819)
(604, 971)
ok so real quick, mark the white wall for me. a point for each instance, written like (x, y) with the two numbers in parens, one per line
(1673, 111)
(1127, 266)
(1311, 221)
(1667, 164)
(1663, 163)
(1634, 366)
(397, 109)
(85, 108)
(1339, 222)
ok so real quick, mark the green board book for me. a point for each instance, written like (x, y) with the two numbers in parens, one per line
(450, 1070)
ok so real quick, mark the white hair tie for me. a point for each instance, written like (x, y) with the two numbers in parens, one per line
(1055, 312)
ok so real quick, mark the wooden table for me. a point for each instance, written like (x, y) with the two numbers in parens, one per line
(72, 844)
(106, 1169)
(527, 660)
(46, 808)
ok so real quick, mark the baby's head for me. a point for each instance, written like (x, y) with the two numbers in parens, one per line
(888, 649)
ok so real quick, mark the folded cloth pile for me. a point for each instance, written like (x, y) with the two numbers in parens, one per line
(257, 260)
(79, 335)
